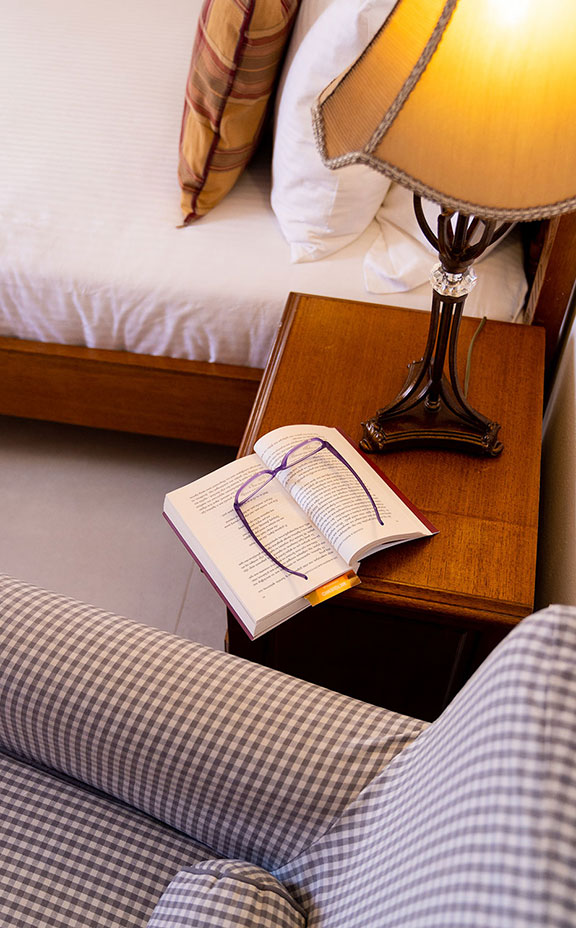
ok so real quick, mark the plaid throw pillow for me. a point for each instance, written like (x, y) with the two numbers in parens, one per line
(237, 52)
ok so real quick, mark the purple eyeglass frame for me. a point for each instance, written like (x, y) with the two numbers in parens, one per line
(284, 465)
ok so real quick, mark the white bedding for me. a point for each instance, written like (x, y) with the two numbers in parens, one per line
(90, 249)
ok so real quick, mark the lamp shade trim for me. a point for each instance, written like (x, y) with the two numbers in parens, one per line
(406, 132)
(524, 214)
(415, 75)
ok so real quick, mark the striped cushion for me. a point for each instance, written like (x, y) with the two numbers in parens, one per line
(226, 892)
(72, 858)
(474, 825)
(235, 60)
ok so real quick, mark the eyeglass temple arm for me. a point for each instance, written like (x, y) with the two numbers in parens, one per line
(244, 521)
(358, 478)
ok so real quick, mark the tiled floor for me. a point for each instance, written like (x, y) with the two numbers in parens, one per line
(81, 513)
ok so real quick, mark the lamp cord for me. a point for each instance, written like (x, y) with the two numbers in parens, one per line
(469, 355)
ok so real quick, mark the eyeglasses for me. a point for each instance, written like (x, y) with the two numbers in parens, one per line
(296, 455)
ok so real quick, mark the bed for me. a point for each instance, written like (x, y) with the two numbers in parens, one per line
(115, 315)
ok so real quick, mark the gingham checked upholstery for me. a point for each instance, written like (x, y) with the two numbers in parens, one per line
(70, 857)
(244, 760)
(471, 824)
(216, 893)
(474, 824)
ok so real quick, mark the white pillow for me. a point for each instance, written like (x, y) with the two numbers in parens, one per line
(319, 210)
(401, 257)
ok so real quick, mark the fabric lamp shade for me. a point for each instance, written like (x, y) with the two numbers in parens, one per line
(470, 103)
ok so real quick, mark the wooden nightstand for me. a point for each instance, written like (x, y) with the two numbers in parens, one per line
(427, 613)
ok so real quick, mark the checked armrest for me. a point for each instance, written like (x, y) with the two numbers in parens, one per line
(249, 761)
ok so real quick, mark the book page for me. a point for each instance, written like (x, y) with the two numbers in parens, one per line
(203, 514)
(334, 499)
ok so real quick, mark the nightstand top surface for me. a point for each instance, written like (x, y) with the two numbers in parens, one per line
(335, 362)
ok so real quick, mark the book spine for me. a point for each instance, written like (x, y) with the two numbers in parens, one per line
(208, 576)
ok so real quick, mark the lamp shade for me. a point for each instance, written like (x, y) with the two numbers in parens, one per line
(470, 103)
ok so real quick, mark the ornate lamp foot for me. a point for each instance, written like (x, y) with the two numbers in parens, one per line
(431, 412)
(420, 429)
(431, 409)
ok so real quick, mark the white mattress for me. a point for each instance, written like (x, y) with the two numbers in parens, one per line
(91, 99)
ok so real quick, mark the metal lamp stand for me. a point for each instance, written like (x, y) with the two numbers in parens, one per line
(431, 409)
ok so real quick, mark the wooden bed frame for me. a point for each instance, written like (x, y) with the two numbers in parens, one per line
(211, 402)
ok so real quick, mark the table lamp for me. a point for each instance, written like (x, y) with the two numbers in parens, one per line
(471, 104)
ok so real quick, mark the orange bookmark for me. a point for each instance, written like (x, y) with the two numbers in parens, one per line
(338, 585)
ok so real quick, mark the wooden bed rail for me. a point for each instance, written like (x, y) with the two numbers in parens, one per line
(127, 392)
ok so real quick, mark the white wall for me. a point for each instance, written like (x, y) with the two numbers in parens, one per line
(557, 549)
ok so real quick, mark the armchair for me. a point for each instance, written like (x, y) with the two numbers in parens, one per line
(148, 780)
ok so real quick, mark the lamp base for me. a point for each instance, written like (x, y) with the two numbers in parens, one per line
(430, 424)
(431, 410)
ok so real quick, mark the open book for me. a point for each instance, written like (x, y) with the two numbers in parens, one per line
(298, 538)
